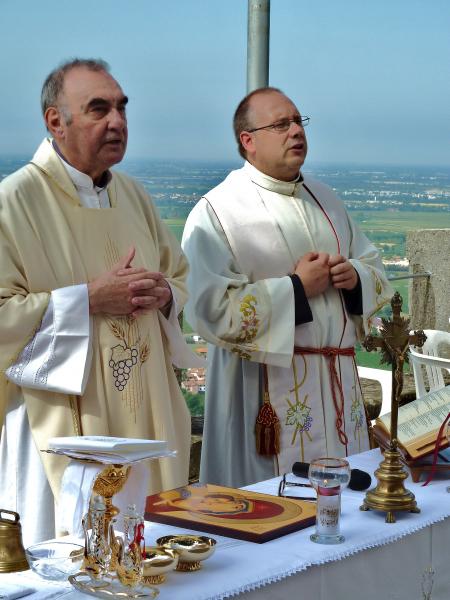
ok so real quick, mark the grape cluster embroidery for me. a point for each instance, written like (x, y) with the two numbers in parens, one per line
(122, 360)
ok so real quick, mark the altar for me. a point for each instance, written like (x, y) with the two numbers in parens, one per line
(395, 561)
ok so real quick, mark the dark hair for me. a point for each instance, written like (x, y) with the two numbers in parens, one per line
(54, 83)
(241, 120)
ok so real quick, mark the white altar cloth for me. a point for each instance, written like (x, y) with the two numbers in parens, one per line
(377, 560)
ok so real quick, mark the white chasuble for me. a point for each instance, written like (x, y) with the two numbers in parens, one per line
(49, 241)
(250, 232)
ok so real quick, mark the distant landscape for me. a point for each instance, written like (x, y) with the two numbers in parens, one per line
(385, 201)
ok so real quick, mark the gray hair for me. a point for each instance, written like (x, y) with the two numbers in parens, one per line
(241, 121)
(54, 83)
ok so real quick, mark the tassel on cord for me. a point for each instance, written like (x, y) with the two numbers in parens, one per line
(267, 427)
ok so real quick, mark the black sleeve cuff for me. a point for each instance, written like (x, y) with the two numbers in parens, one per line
(353, 299)
(303, 312)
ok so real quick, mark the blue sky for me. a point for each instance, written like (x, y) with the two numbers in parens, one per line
(373, 75)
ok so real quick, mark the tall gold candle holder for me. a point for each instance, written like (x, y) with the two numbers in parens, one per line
(390, 494)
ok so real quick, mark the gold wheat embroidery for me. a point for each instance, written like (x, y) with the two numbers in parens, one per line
(128, 356)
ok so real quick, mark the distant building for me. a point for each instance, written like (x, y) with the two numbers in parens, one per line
(396, 262)
(198, 339)
(194, 381)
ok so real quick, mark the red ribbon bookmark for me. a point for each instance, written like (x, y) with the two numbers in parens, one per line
(437, 447)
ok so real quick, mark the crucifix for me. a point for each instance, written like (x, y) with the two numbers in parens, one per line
(390, 494)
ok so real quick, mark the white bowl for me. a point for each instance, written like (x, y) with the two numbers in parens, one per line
(55, 560)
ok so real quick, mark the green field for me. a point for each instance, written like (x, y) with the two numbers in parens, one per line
(387, 229)
(390, 220)
(384, 227)
(176, 226)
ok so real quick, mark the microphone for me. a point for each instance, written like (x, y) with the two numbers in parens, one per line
(359, 480)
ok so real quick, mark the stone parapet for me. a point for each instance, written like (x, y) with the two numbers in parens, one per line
(429, 297)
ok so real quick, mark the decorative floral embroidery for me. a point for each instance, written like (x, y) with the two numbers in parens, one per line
(380, 301)
(357, 416)
(249, 327)
(298, 415)
(378, 284)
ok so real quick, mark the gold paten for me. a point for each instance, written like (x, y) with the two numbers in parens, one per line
(158, 562)
(12, 552)
(111, 590)
(192, 549)
(390, 494)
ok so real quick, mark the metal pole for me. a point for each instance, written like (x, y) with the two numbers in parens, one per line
(410, 276)
(258, 44)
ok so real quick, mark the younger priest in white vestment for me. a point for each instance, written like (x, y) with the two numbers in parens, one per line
(281, 283)
(91, 283)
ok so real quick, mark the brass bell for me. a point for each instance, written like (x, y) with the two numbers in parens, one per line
(12, 552)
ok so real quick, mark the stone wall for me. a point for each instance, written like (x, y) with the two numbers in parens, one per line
(429, 297)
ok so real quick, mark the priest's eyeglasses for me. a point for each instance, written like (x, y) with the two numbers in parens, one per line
(283, 125)
(284, 483)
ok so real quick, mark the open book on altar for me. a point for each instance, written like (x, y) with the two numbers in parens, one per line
(419, 422)
(236, 513)
(107, 449)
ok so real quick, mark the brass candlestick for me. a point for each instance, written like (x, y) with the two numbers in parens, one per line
(390, 494)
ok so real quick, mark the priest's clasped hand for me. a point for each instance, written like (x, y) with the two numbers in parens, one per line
(314, 272)
(317, 270)
(151, 291)
(342, 272)
(127, 290)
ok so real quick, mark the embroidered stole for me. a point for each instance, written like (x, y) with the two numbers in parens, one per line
(301, 395)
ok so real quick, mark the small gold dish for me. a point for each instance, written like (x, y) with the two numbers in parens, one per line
(192, 549)
(157, 562)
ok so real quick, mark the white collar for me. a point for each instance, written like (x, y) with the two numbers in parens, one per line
(80, 180)
(286, 188)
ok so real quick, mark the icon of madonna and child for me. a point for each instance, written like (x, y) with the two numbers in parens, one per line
(222, 505)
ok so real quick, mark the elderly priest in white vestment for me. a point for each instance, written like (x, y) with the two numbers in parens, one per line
(91, 282)
(282, 282)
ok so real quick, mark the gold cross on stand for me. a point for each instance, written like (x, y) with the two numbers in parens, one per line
(390, 494)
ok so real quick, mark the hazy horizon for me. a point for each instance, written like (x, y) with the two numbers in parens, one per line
(238, 162)
(373, 76)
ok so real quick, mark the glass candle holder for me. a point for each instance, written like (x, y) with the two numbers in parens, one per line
(129, 570)
(97, 551)
(328, 476)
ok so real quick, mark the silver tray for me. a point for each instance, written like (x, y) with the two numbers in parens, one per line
(110, 589)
